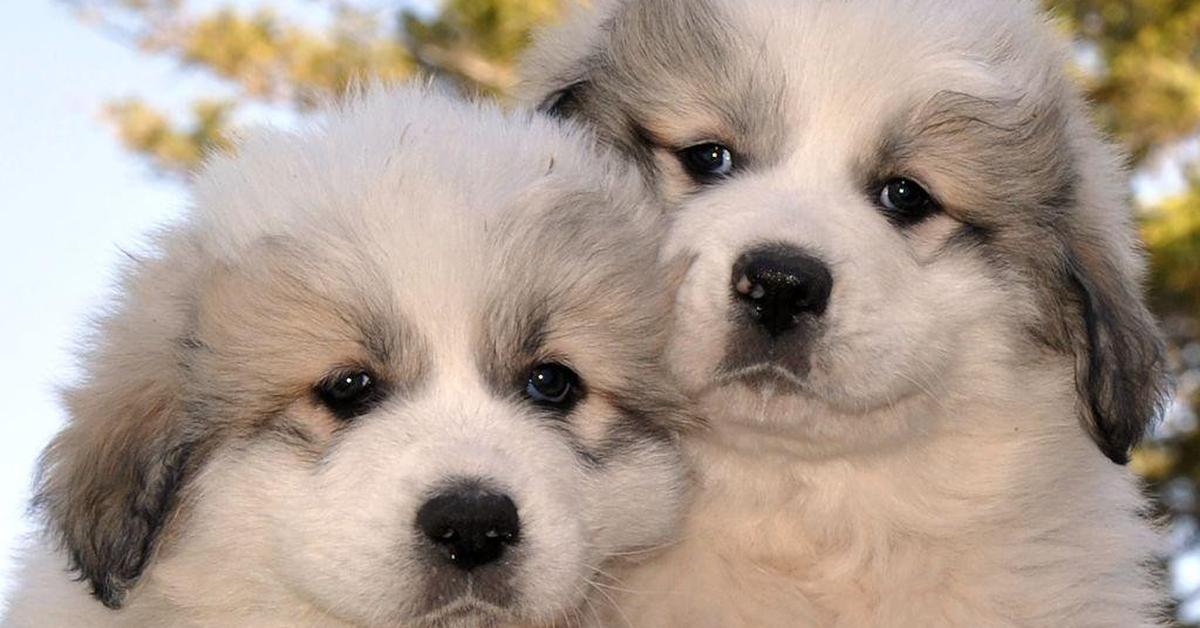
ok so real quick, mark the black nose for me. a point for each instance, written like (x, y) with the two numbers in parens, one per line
(470, 527)
(781, 285)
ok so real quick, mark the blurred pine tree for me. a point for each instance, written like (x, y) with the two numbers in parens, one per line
(271, 57)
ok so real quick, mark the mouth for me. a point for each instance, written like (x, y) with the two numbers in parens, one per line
(766, 377)
(465, 611)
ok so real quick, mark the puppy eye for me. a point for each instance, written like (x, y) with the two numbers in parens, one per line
(707, 162)
(564, 102)
(348, 394)
(906, 202)
(554, 385)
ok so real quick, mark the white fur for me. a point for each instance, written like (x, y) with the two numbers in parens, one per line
(934, 472)
(416, 184)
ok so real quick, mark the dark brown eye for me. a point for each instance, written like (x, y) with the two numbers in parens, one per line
(348, 394)
(553, 385)
(564, 102)
(707, 162)
(905, 202)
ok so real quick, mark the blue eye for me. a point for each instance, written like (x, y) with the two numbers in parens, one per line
(553, 384)
(707, 162)
(905, 201)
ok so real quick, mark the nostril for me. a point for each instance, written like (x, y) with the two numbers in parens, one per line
(781, 285)
(470, 527)
(747, 287)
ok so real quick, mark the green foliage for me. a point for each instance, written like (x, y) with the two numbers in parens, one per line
(479, 41)
(147, 131)
(1172, 234)
(1147, 74)
(269, 58)
(272, 59)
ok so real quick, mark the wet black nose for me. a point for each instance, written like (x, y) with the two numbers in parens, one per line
(470, 527)
(780, 285)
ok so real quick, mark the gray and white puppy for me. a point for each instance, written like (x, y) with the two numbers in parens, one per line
(399, 371)
(914, 317)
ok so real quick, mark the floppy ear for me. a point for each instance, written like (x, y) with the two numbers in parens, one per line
(1120, 369)
(108, 482)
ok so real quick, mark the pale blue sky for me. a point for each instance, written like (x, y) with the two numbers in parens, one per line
(69, 196)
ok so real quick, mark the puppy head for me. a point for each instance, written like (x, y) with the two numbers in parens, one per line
(401, 371)
(885, 200)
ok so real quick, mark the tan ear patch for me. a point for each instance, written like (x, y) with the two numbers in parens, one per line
(109, 482)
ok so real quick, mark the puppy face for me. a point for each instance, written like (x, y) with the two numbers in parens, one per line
(382, 378)
(885, 199)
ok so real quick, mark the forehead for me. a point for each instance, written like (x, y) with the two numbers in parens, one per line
(965, 96)
(453, 286)
(852, 66)
(682, 73)
(739, 67)
(414, 207)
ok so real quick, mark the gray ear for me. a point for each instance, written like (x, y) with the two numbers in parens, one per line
(108, 482)
(107, 496)
(1120, 368)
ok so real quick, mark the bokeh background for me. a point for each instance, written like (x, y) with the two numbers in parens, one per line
(108, 105)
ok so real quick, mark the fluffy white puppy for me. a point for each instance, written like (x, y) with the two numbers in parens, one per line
(399, 371)
(914, 319)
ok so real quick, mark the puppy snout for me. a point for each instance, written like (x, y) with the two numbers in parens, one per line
(778, 286)
(470, 527)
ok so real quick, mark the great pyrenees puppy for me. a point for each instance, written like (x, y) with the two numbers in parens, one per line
(402, 370)
(913, 319)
